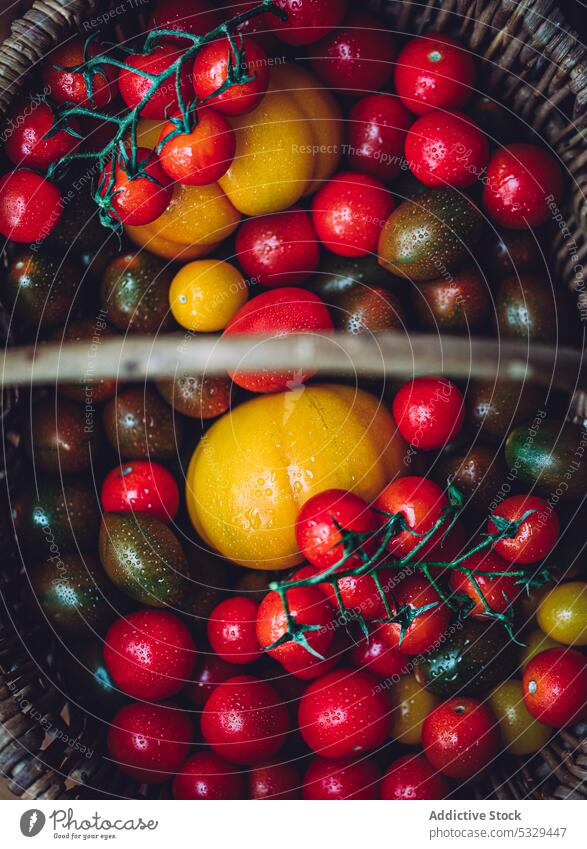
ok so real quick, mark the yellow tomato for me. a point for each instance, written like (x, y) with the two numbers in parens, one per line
(520, 732)
(273, 160)
(536, 642)
(148, 132)
(562, 613)
(204, 295)
(258, 464)
(160, 246)
(411, 703)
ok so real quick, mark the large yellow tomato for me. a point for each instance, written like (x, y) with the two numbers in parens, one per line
(258, 464)
(160, 246)
(204, 295)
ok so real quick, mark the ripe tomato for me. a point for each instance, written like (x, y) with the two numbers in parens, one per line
(307, 20)
(426, 628)
(30, 206)
(345, 779)
(278, 312)
(446, 149)
(210, 672)
(554, 686)
(536, 535)
(434, 72)
(499, 592)
(245, 720)
(349, 211)
(562, 613)
(206, 294)
(520, 180)
(429, 412)
(134, 86)
(196, 17)
(412, 777)
(149, 654)
(535, 643)
(26, 143)
(137, 200)
(70, 86)
(231, 630)
(150, 742)
(422, 503)
(356, 58)
(211, 67)
(461, 737)
(274, 781)
(278, 250)
(376, 135)
(202, 156)
(197, 397)
(520, 732)
(375, 656)
(411, 703)
(343, 713)
(142, 487)
(206, 776)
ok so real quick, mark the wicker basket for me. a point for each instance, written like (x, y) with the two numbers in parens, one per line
(52, 750)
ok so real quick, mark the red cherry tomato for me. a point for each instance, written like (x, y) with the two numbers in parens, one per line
(142, 487)
(202, 156)
(446, 149)
(554, 687)
(231, 630)
(346, 779)
(307, 20)
(434, 72)
(422, 503)
(70, 86)
(357, 58)
(134, 87)
(461, 738)
(137, 200)
(429, 412)
(25, 137)
(425, 630)
(278, 312)
(376, 656)
(149, 654)
(30, 206)
(245, 720)
(210, 672)
(522, 182)
(206, 776)
(343, 713)
(278, 250)
(211, 70)
(274, 781)
(499, 592)
(349, 211)
(536, 535)
(412, 777)
(376, 135)
(194, 16)
(150, 742)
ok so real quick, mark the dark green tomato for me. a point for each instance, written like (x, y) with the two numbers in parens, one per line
(495, 407)
(478, 475)
(85, 680)
(528, 308)
(56, 515)
(74, 593)
(367, 309)
(338, 274)
(551, 456)
(143, 558)
(473, 659)
(140, 425)
(459, 303)
(430, 236)
(89, 390)
(494, 119)
(79, 229)
(40, 289)
(512, 252)
(135, 293)
(197, 397)
(64, 437)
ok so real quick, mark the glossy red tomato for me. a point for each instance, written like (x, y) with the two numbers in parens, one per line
(134, 86)
(30, 206)
(446, 149)
(197, 17)
(278, 312)
(211, 70)
(25, 137)
(412, 777)
(202, 156)
(422, 503)
(149, 654)
(349, 211)
(357, 58)
(554, 686)
(499, 592)
(344, 713)
(245, 720)
(345, 779)
(536, 535)
(429, 412)
(376, 135)
(141, 487)
(137, 200)
(206, 776)
(434, 72)
(523, 185)
(150, 742)
(377, 657)
(210, 672)
(308, 20)
(70, 86)
(424, 630)
(261, 27)
(274, 781)
(231, 630)
(278, 250)
(461, 738)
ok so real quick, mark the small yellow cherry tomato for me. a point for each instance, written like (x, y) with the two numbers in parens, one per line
(411, 704)
(562, 613)
(160, 246)
(536, 642)
(204, 295)
(521, 733)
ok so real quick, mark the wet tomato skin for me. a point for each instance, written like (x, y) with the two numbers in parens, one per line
(210, 71)
(202, 156)
(206, 776)
(278, 250)
(426, 629)
(231, 630)
(412, 777)
(26, 145)
(307, 21)
(554, 686)
(344, 779)
(274, 781)
(446, 149)
(536, 535)
(461, 737)
(429, 412)
(196, 17)
(434, 72)
(562, 613)
(499, 592)
(210, 672)
(70, 86)
(30, 206)
(374, 655)
(140, 486)
(377, 126)
(422, 503)
(134, 87)
(137, 200)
